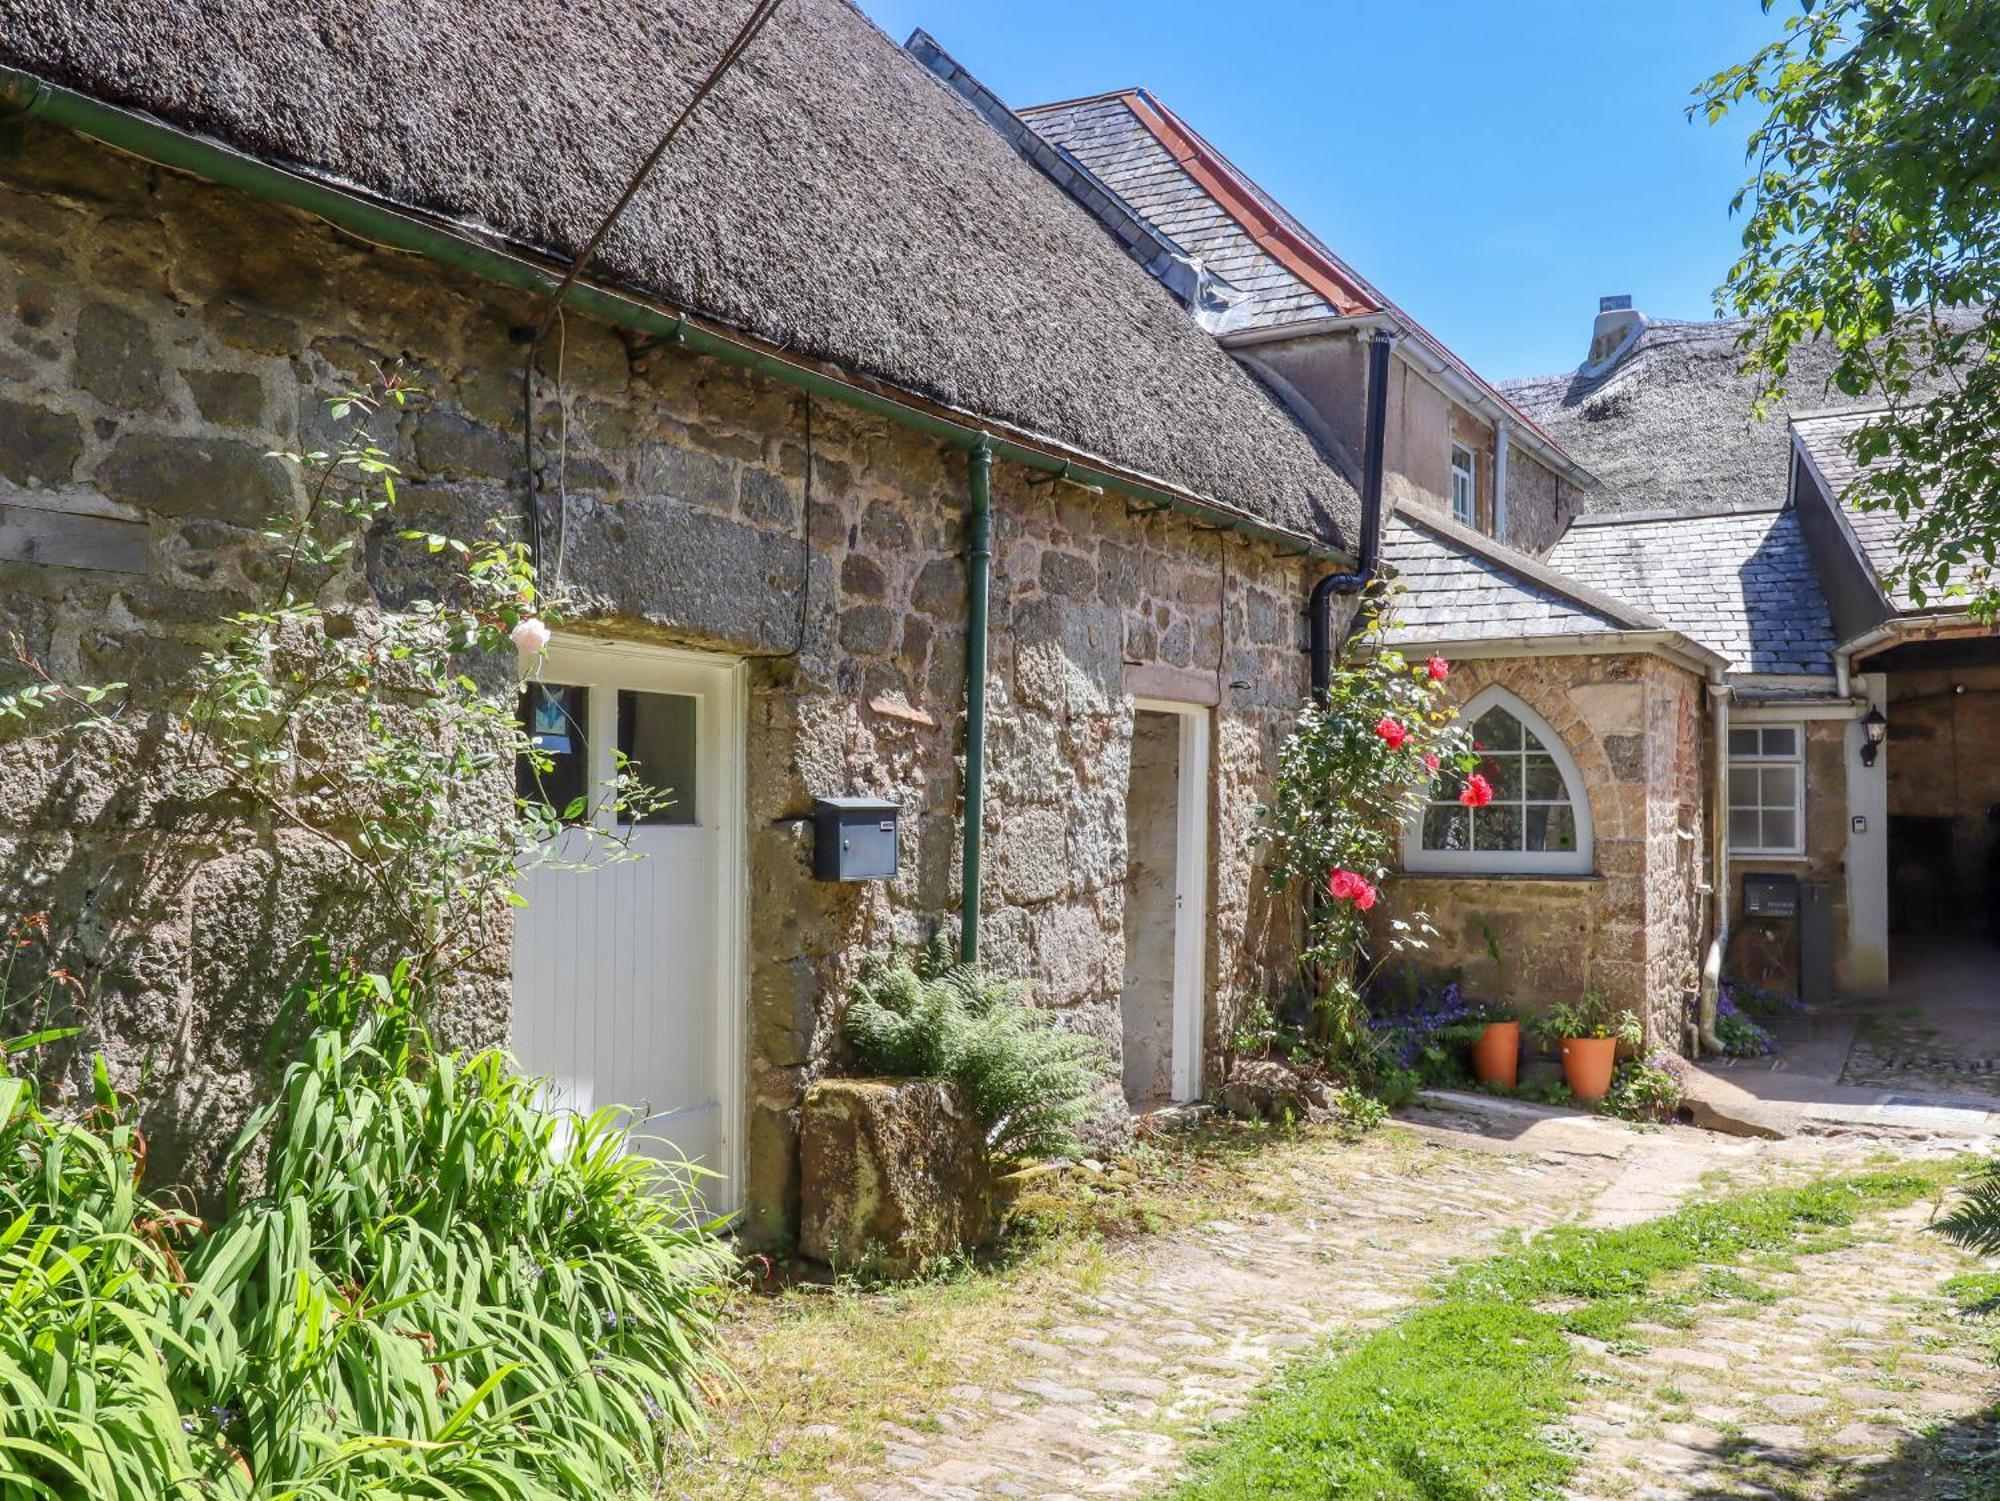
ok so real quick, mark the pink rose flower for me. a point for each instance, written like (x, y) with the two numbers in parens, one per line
(1438, 668)
(1392, 732)
(1347, 886)
(530, 637)
(1431, 762)
(1478, 791)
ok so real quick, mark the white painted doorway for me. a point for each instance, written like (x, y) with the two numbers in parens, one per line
(628, 977)
(1163, 1006)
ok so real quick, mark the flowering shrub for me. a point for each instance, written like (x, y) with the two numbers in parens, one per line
(1354, 770)
(1649, 1089)
(1428, 1032)
(1742, 1035)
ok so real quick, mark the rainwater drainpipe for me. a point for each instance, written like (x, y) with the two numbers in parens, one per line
(978, 580)
(1711, 968)
(1319, 608)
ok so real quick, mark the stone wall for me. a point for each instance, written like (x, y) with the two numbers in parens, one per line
(1330, 374)
(159, 335)
(1632, 928)
(1539, 506)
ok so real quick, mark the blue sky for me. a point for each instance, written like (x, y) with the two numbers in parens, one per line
(1492, 166)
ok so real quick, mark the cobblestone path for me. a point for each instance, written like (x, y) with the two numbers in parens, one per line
(1858, 1381)
(1101, 1387)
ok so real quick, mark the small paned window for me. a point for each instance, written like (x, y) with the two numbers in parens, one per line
(1464, 485)
(657, 737)
(555, 718)
(1767, 789)
(1538, 818)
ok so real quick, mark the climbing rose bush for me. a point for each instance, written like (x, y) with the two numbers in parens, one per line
(1352, 773)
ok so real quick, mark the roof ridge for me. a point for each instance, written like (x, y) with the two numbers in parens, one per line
(1656, 515)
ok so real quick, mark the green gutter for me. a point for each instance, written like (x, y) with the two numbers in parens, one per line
(24, 97)
(978, 579)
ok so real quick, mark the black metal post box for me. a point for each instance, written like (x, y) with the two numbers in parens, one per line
(854, 839)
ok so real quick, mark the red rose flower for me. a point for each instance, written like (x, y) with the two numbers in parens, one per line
(1392, 732)
(1478, 791)
(1438, 668)
(1347, 886)
(1431, 762)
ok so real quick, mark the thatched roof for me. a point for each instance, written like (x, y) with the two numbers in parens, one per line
(831, 197)
(1670, 427)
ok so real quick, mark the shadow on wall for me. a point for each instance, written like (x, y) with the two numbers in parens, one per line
(185, 924)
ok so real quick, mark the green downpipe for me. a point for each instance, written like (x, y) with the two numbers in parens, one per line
(978, 584)
(24, 97)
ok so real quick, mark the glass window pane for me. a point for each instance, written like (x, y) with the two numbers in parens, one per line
(1504, 772)
(1780, 829)
(1742, 786)
(1781, 785)
(1496, 729)
(1781, 740)
(1445, 827)
(1543, 780)
(554, 717)
(1550, 827)
(1743, 830)
(1743, 742)
(656, 734)
(1497, 827)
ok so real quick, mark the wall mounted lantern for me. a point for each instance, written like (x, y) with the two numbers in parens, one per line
(1874, 730)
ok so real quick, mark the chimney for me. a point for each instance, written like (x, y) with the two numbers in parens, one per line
(1617, 329)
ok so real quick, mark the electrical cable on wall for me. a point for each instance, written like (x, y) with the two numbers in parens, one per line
(760, 13)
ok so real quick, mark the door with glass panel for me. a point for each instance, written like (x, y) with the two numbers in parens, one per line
(625, 972)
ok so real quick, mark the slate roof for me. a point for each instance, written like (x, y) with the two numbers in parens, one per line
(831, 198)
(1822, 436)
(1463, 586)
(1108, 136)
(1742, 583)
(1175, 185)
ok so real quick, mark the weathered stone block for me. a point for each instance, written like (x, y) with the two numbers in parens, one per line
(38, 446)
(447, 444)
(219, 478)
(893, 1174)
(116, 360)
(768, 499)
(233, 398)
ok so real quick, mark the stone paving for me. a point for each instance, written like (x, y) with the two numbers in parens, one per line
(1102, 1395)
(1181, 1338)
(1858, 1381)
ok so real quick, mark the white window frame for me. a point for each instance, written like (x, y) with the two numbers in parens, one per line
(1796, 760)
(1581, 861)
(1464, 485)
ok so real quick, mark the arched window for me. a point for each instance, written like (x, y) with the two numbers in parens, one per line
(1539, 820)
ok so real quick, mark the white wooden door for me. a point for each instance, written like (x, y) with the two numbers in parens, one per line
(627, 975)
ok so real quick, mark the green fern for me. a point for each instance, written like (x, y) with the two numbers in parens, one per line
(1030, 1080)
(1974, 1222)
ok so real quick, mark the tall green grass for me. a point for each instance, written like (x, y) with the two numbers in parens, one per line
(439, 1288)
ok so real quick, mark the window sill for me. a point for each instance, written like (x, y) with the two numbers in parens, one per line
(1574, 877)
(1791, 858)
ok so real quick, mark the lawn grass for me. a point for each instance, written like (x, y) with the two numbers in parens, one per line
(1460, 1398)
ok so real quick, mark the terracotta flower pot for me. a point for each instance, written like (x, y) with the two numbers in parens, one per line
(1496, 1057)
(1587, 1064)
